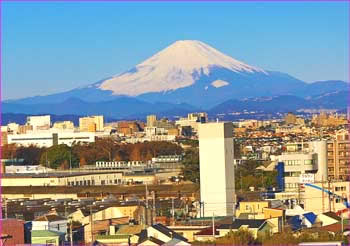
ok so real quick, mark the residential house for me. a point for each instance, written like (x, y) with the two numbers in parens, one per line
(256, 227)
(47, 237)
(159, 234)
(50, 222)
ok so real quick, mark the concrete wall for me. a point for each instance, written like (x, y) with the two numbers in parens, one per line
(216, 168)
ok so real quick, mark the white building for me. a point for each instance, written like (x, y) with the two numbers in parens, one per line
(51, 137)
(217, 169)
(50, 222)
(39, 122)
(193, 120)
(304, 161)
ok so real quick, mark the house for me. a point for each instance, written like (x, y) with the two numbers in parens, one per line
(256, 227)
(273, 213)
(79, 215)
(47, 237)
(50, 222)
(113, 239)
(176, 242)
(308, 219)
(120, 234)
(328, 218)
(149, 241)
(188, 231)
(102, 227)
(207, 234)
(133, 212)
(159, 234)
(251, 209)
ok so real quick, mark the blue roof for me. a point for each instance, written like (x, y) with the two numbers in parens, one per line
(295, 222)
(310, 217)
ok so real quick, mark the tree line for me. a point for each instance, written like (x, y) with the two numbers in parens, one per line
(80, 154)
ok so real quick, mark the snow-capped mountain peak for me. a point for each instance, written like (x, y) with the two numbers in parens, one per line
(177, 66)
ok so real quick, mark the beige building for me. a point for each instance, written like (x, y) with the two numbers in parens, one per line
(91, 124)
(324, 119)
(318, 200)
(151, 120)
(42, 122)
(254, 208)
(290, 118)
(338, 154)
(63, 125)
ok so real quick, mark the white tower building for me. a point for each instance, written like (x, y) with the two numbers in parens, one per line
(217, 182)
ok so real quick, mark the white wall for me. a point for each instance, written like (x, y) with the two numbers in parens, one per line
(216, 168)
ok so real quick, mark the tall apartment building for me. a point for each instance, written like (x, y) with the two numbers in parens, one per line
(91, 124)
(217, 181)
(42, 122)
(338, 154)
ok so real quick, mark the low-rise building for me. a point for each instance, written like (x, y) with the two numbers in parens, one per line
(52, 137)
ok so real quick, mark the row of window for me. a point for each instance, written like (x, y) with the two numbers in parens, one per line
(92, 182)
(298, 162)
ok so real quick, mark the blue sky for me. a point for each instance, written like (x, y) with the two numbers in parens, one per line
(50, 47)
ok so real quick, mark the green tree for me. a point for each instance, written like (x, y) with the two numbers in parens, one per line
(240, 237)
(30, 154)
(190, 171)
(56, 155)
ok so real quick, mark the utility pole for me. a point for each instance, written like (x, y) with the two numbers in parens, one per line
(213, 226)
(5, 208)
(146, 198)
(71, 231)
(240, 175)
(91, 223)
(154, 208)
(70, 160)
(65, 209)
(322, 195)
(173, 210)
(329, 196)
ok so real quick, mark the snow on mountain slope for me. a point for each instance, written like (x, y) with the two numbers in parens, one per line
(219, 83)
(176, 66)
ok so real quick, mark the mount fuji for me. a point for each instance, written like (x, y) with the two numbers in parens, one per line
(190, 72)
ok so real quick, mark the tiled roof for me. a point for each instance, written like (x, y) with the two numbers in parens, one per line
(49, 217)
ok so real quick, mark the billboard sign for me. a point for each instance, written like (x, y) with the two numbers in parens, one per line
(307, 178)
